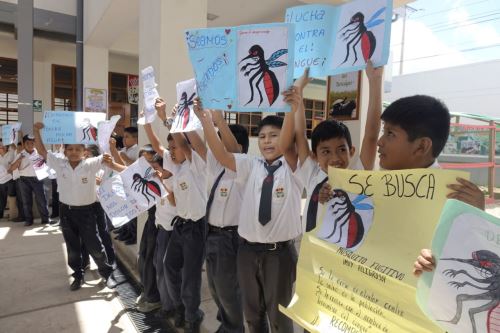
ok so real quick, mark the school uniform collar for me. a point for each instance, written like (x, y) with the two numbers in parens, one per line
(435, 165)
(34, 152)
(276, 161)
(131, 147)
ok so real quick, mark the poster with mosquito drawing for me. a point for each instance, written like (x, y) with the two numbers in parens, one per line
(86, 126)
(71, 127)
(185, 120)
(363, 33)
(10, 133)
(263, 67)
(463, 293)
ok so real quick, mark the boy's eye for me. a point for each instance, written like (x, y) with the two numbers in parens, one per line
(326, 152)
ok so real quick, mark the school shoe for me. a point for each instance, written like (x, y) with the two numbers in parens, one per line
(17, 219)
(179, 319)
(146, 307)
(164, 314)
(27, 224)
(45, 222)
(194, 326)
(76, 284)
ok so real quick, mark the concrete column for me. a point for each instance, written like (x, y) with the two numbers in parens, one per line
(25, 63)
(162, 45)
(95, 69)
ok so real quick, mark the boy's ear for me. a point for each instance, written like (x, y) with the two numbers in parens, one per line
(424, 146)
(352, 150)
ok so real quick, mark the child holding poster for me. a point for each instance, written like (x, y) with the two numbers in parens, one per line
(331, 143)
(77, 188)
(269, 221)
(7, 154)
(188, 168)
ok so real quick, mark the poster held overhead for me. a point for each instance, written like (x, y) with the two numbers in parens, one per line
(243, 68)
(150, 95)
(71, 127)
(10, 133)
(356, 32)
(105, 129)
(185, 120)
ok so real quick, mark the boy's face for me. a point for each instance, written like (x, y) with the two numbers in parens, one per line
(175, 153)
(396, 151)
(75, 153)
(29, 145)
(148, 156)
(333, 152)
(3, 149)
(129, 140)
(269, 142)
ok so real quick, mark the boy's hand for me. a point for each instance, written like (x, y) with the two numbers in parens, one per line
(174, 110)
(98, 180)
(292, 97)
(112, 144)
(160, 107)
(107, 159)
(158, 173)
(467, 192)
(374, 73)
(38, 126)
(302, 81)
(198, 110)
(425, 263)
(325, 193)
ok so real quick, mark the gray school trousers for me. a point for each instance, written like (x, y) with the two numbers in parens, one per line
(222, 252)
(266, 277)
(162, 240)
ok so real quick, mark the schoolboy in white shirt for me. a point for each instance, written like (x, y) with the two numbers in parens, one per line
(76, 183)
(331, 143)
(223, 208)
(7, 155)
(29, 183)
(189, 233)
(268, 224)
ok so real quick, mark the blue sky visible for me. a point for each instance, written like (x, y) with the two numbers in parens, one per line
(445, 33)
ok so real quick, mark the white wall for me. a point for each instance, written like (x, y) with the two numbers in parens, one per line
(123, 64)
(471, 88)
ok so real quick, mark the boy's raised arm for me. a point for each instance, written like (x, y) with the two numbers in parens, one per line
(197, 144)
(372, 128)
(300, 120)
(227, 136)
(38, 140)
(287, 133)
(216, 146)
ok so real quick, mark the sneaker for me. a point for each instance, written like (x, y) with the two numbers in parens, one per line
(179, 320)
(140, 299)
(194, 326)
(76, 284)
(146, 307)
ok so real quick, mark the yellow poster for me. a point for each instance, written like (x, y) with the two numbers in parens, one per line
(355, 268)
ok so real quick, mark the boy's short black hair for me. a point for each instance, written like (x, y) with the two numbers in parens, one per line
(28, 137)
(274, 121)
(330, 129)
(132, 131)
(118, 139)
(93, 149)
(147, 148)
(170, 137)
(157, 159)
(421, 116)
(241, 135)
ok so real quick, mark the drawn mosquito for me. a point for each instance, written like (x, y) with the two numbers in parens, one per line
(13, 135)
(357, 31)
(38, 161)
(263, 72)
(344, 213)
(89, 131)
(144, 186)
(183, 108)
(487, 264)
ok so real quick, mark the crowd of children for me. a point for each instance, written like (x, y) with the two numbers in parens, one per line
(238, 214)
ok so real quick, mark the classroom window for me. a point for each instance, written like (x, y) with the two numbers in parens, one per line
(8, 91)
(315, 113)
(63, 88)
(250, 120)
(231, 117)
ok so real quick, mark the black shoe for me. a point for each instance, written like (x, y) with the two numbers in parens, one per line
(117, 230)
(17, 219)
(111, 283)
(179, 320)
(164, 314)
(194, 326)
(45, 222)
(76, 284)
(54, 216)
(54, 223)
(27, 224)
(123, 236)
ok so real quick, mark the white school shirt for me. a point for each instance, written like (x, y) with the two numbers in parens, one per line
(5, 162)
(310, 174)
(26, 168)
(132, 152)
(77, 186)
(189, 185)
(228, 196)
(165, 212)
(285, 209)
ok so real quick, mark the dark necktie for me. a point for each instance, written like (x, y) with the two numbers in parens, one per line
(212, 193)
(312, 208)
(266, 195)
